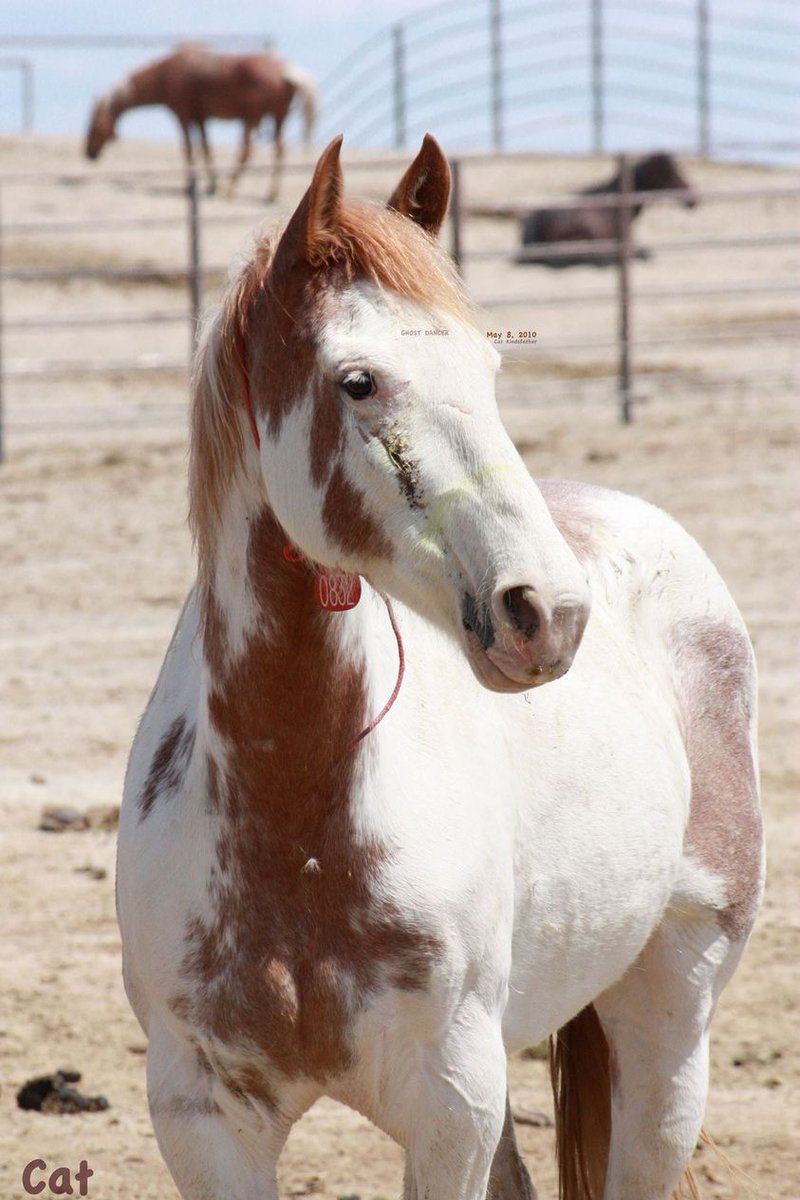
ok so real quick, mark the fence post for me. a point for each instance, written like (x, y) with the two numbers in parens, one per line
(455, 211)
(195, 269)
(496, 74)
(399, 61)
(596, 38)
(703, 64)
(2, 441)
(624, 259)
(27, 96)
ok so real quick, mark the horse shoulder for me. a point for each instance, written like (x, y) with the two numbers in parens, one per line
(164, 742)
(696, 644)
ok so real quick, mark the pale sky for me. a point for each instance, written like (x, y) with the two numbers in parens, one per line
(650, 69)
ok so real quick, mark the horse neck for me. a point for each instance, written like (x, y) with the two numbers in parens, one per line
(615, 185)
(286, 682)
(141, 88)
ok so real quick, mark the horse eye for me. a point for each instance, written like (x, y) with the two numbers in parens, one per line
(359, 384)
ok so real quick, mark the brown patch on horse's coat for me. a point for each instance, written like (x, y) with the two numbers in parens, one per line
(168, 765)
(213, 786)
(717, 678)
(187, 1106)
(327, 431)
(215, 634)
(348, 520)
(289, 957)
(246, 1082)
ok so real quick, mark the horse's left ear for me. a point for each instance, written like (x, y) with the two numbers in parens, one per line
(312, 227)
(424, 190)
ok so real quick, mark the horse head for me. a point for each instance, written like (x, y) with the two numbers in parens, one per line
(101, 127)
(373, 433)
(660, 172)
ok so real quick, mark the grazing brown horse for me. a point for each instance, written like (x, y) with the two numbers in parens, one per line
(196, 84)
(596, 223)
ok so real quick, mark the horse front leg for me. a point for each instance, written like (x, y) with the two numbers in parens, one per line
(277, 163)
(509, 1178)
(459, 1110)
(206, 1158)
(188, 150)
(207, 156)
(245, 151)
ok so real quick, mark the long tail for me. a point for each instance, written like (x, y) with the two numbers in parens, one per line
(580, 1073)
(307, 90)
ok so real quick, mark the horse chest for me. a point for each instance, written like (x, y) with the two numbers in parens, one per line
(292, 952)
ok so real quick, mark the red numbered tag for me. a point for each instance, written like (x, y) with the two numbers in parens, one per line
(336, 591)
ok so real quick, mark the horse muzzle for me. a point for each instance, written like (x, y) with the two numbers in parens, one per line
(520, 639)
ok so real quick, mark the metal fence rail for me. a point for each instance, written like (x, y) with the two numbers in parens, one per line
(621, 297)
(700, 74)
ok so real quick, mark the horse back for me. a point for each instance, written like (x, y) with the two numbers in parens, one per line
(200, 84)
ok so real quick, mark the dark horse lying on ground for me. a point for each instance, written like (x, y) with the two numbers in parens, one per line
(595, 223)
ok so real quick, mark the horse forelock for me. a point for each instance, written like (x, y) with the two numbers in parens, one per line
(378, 244)
(263, 338)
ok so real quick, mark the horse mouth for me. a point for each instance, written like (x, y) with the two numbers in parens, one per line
(476, 621)
(495, 663)
(495, 679)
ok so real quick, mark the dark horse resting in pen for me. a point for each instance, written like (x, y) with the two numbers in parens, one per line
(599, 223)
(197, 84)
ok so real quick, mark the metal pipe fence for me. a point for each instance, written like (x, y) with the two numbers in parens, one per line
(26, 83)
(633, 64)
(687, 68)
(191, 274)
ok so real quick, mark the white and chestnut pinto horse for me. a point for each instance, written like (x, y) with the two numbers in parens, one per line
(314, 902)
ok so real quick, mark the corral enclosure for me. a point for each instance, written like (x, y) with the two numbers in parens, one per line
(94, 266)
(96, 560)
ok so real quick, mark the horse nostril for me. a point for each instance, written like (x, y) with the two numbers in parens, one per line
(519, 604)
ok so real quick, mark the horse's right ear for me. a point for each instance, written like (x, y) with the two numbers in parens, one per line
(423, 192)
(311, 230)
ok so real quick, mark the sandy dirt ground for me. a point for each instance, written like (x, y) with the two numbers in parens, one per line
(95, 560)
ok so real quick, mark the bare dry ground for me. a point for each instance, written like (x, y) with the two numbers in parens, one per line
(95, 560)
